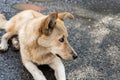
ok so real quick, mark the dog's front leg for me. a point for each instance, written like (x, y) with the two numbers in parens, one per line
(4, 41)
(59, 69)
(32, 68)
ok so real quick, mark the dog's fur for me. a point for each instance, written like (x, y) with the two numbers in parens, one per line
(42, 39)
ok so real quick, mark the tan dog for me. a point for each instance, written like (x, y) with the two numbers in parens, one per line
(43, 39)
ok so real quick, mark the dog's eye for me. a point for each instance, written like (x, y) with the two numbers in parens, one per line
(61, 39)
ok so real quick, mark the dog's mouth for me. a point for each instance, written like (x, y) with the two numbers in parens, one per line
(58, 56)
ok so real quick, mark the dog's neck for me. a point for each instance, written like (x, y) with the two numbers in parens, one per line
(41, 55)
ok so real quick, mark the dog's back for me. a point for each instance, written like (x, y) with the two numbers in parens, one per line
(14, 24)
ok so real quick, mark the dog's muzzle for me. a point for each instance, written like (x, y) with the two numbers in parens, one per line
(75, 56)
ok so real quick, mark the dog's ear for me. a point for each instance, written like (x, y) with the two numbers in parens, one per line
(49, 23)
(64, 15)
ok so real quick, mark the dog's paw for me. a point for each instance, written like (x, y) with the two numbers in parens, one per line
(40, 78)
(3, 48)
(16, 45)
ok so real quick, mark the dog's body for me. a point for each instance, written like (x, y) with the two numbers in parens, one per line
(42, 39)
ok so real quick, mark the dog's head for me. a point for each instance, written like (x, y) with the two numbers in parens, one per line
(54, 35)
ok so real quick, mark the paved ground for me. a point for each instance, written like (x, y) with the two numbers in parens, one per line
(94, 34)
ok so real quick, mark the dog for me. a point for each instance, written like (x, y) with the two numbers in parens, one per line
(42, 40)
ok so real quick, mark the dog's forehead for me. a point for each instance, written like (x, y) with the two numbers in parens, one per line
(61, 27)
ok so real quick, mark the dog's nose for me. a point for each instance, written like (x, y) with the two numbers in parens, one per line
(75, 56)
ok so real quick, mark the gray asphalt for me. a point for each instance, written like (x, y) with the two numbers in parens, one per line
(94, 34)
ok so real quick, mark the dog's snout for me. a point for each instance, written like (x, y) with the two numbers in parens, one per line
(75, 56)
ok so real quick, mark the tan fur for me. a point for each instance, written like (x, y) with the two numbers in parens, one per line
(64, 15)
(40, 41)
(2, 21)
